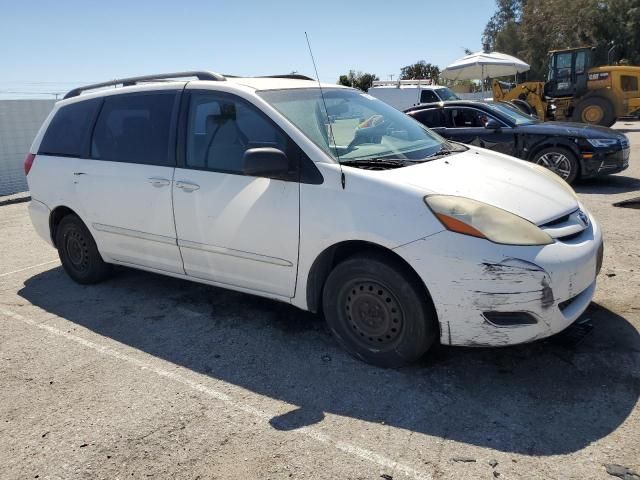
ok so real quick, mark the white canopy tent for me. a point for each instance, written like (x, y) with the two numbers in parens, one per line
(481, 65)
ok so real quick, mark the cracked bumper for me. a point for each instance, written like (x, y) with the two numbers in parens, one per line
(604, 163)
(468, 277)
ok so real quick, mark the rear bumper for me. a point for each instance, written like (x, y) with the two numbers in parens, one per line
(479, 288)
(40, 215)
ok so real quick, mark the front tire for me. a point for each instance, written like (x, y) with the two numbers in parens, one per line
(78, 252)
(560, 161)
(378, 312)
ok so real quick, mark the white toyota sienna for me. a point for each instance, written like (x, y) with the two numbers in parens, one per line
(320, 196)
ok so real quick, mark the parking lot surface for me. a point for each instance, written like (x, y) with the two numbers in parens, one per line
(146, 376)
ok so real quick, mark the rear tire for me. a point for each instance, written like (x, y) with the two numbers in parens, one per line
(377, 311)
(78, 252)
(560, 161)
(595, 111)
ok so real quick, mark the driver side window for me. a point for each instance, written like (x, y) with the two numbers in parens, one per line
(468, 118)
(222, 127)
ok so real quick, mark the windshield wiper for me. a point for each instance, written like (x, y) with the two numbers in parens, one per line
(443, 152)
(388, 161)
(377, 162)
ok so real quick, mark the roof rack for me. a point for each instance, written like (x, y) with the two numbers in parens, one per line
(293, 76)
(126, 82)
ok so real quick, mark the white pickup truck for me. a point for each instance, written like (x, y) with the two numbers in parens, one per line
(402, 94)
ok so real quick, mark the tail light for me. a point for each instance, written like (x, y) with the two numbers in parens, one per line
(28, 162)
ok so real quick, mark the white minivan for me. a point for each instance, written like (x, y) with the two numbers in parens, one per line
(320, 196)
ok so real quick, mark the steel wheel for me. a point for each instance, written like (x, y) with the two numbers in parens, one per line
(557, 162)
(77, 250)
(377, 310)
(375, 316)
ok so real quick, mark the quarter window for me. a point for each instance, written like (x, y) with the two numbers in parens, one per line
(221, 128)
(68, 132)
(135, 128)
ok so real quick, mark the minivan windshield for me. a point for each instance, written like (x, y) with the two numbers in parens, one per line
(355, 125)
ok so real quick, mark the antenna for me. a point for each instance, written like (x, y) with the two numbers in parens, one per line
(326, 111)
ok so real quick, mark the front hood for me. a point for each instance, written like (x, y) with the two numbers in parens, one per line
(499, 180)
(570, 129)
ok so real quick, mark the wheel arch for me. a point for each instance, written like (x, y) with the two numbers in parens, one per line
(554, 142)
(603, 94)
(331, 256)
(56, 216)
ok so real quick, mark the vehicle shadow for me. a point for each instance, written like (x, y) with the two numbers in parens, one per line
(607, 185)
(539, 399)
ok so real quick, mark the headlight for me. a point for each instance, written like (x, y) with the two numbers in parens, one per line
(470, 217)
(602, 142)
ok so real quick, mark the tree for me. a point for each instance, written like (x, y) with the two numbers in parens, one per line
(419, 71)
(556, 24)
(620, 26)
(529, 29)
(509, 13)
(360, 80)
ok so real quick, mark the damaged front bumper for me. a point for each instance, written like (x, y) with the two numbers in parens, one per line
(491, 295)
(604, 162)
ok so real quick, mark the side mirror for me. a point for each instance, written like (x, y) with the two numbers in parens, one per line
(492, 124)
(265, 162)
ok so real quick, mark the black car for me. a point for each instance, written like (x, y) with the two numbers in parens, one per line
(572, 150)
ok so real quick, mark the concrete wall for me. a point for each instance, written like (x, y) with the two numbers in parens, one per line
(20, 120)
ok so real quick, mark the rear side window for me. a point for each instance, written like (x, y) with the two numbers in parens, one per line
(428, 96)
(69, 130)
(629, 83)
(135, 128)
(431, 118)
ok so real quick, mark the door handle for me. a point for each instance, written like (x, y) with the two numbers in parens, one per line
(187, 186)
(159, 182)
(79, 173)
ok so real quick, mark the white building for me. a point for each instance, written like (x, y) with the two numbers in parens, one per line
(19, 123)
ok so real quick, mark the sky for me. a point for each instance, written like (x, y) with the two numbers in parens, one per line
(52, 46)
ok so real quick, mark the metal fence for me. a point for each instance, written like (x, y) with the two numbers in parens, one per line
(20, 120)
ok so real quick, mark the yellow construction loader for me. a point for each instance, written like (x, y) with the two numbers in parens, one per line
(576, 90)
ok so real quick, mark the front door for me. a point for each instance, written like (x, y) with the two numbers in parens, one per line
(468, 125)
(232, 228)
(124, 189)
